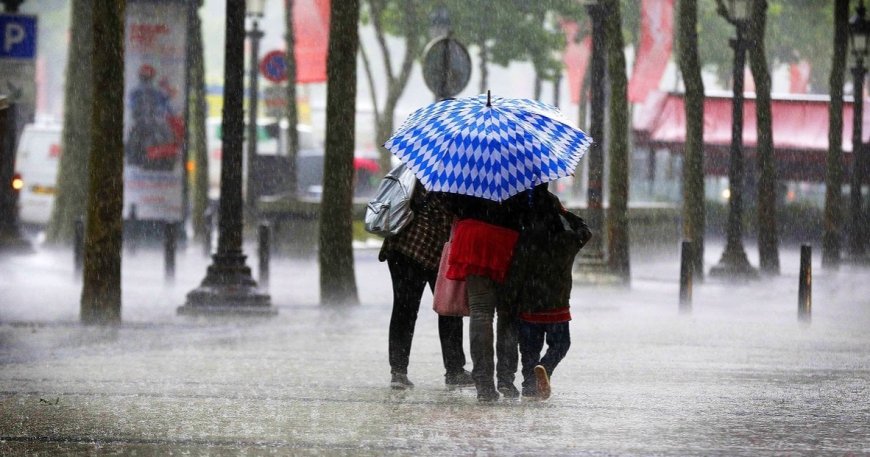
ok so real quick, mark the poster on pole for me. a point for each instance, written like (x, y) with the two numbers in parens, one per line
(154, 106)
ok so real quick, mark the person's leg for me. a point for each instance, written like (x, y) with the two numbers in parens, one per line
(531, 338)
(506, 350)
(481, 303)
(558, 342)
(450, 334)
(408, 283)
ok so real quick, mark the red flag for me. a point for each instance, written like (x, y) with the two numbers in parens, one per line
(311, 27)
(656, 41)
(799, 77)
(575, 57)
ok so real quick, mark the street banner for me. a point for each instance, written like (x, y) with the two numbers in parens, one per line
(311, 30)
(576, 57)
(18, 64)
(654, 50)
(154, 106)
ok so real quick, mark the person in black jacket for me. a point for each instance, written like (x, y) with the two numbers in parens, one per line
(539, 285)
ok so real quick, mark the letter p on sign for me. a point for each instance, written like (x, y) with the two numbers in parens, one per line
(17, 37)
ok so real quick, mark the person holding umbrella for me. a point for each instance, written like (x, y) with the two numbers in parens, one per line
(485, 154)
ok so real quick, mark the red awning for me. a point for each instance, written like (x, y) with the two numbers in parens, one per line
(311, 27)
(800, 131)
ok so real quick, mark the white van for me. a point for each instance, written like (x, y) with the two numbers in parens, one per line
(36, 162)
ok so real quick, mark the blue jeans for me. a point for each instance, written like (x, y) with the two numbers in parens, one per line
(532, 337)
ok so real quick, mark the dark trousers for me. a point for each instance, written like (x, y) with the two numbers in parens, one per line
(483, 303)
(532, 337)
(409, 280)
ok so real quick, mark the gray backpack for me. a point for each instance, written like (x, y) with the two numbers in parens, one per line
(390, 210)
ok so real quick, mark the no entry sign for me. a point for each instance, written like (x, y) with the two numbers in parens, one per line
(273, 66)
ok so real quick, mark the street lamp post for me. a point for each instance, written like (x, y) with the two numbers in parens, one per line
(734, 263)
(255, 12)
(859, 32)
(228, 287)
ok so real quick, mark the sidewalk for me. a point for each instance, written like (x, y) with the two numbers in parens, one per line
(738, 376)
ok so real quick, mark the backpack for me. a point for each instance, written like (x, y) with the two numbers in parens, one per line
(390, 210)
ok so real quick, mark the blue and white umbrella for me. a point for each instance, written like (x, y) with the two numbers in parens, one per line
(485, 147)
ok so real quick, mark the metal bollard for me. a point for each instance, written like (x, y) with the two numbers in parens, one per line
(79, 246)
(264, 252)
(169, 245)
(133, 244)
(209, 231)
(805, 284)
(687, 268)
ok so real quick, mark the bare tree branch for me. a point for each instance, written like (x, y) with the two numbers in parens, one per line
(722, 10)
(377, 7)
(371, 80)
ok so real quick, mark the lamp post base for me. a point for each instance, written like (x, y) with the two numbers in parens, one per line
(228, 289)
(734, 265)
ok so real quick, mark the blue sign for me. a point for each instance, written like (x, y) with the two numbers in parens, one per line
(17, 36)
(274, 66)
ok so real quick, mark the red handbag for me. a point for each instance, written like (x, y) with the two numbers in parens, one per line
(450, 297)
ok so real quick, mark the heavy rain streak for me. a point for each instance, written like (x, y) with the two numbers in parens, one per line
(434, 227)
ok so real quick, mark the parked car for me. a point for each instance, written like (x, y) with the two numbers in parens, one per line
(36, 163)
(272, 161)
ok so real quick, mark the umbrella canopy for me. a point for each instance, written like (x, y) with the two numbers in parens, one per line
(488, 147)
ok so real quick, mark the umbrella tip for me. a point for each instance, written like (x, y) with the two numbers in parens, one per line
(488, 98)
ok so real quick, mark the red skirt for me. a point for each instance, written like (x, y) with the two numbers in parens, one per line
(480, 249)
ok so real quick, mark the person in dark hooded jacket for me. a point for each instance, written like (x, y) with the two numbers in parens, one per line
(539, 287)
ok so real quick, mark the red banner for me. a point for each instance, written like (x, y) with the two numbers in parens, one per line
(799, 77)
(656, 41)
(311, 27)
(575, 57)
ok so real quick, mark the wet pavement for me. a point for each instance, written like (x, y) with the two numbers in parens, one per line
(739, 375)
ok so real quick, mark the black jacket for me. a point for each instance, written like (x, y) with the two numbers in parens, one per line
(540, 274)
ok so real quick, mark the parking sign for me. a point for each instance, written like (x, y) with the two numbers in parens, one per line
(17, 36)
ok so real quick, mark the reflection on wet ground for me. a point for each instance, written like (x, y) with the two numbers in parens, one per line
(739, 375)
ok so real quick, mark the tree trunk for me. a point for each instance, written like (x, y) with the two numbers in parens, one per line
(72, 174)
(768, 237)
(337, 281)
(484, 66)
(101, 292)
(196, 127)
(693, 165)
(292, 114)
(617, 214)
(539, 84)
(834, 176)
(579, 181)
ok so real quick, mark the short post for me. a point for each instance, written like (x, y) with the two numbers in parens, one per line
(264, 251)
(686, 273)
(207, 236)
(79, 246)
(169, 244)
(133, 244)
(805, 285)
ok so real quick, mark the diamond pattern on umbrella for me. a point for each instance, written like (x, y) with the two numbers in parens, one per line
(492, 151)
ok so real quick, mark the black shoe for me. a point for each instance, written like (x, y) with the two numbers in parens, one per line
(400, 381)
(487, 393)
(459, 379)
(531, 392)
(508, 390)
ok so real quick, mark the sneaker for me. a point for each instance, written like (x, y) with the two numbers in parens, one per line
(459, 379)
(508, 390)
(542, 382)
(400, 381)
